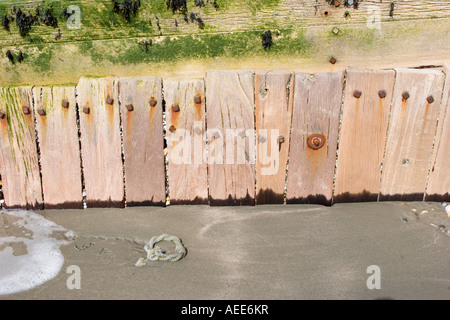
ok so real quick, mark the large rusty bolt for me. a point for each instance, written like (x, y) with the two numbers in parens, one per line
(26, 110)
(175, 108)
(405, 95)
(430, 99)
(109, 100)
(382, 94)
(41, 112)
(280, 139)
(65, 104)
(2, 115)
(316, 141)
(172, 129)
(153, 102)
(129, 107)
(357, 94)
(198, 99)
(86, 109)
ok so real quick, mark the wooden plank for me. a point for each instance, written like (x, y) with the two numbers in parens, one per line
(438, 188)
(274, 91)
(411, 133)
(19, 164)
(317, 104)
(231, 164)
(143, 141)
(101, 142)
(187, 170)
(59, 147)
(363, 134)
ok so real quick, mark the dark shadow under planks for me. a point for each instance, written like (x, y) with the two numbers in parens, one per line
(231, 164)
(363, 134)
(101, 148)
(19, 158)
(187, 170)
(143, 142)
(274, 92)
(438, 188)
(411, 133)
(59, 148)
(317, 105)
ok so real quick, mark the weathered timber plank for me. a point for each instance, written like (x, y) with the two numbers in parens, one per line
(274, 92)
(438, 188)
(411, 132)
(363, 134)
(143, 140)
(231, 142)
(19, 165)
(232, 16)
(59, 148)
(185, 129)
(100, 141)
(317, 105)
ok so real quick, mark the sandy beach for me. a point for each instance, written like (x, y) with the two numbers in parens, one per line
(263, 252)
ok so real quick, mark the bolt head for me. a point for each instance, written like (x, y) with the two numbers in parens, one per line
(109, 100)
(382, 94)
(129, 107)
(86, 110)
(316, 141)
(2, 115)
(175, 108)
(430, 99)
(65, 104)
(280, 139)
(197, 99)
(172, 129)
(333, 60)
(26, 110)
(405, 95)
(153, 102)
(41, 112)
(357, 93)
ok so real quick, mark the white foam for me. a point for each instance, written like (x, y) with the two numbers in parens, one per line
(41, 263)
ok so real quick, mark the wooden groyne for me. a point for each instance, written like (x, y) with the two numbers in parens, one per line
(347, 136)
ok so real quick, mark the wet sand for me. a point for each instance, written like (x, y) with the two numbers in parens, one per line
(263, 252)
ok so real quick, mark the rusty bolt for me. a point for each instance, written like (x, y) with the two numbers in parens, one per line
(175, 108)
(129, 107)
(316, 141)
(405, 95)
(333, 60)
(197, 99)
(337, 3)
(430, 99)
(153, 102)
(280, 139)
(382, 94)
(65, 104)
(2, 115)
(326, 13)
(41, 112)
(26, 110)
(86, 109)
(172, 129)
(357, 93)
(109, 100)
